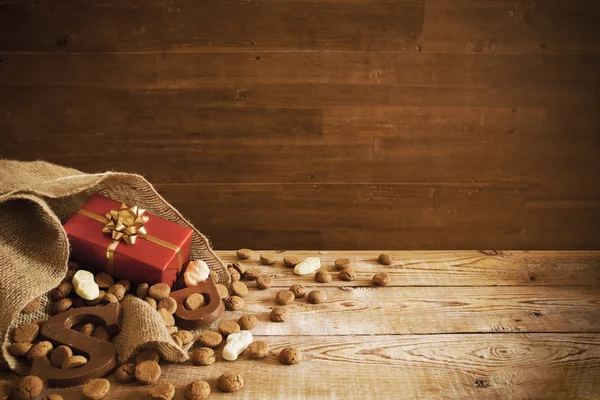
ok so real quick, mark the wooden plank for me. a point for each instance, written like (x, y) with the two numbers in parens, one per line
(512, 26)
(443, 268)
(426, 310)
(481, 366)
(401, 216)
(187, 25)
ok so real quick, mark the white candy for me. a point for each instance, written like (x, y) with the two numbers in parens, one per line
(196, 272)
(85, 286)
(236, 344)
(311, 264)
(81, 276)
(88, 290)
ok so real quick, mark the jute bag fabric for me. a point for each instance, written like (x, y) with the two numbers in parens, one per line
(36, 198)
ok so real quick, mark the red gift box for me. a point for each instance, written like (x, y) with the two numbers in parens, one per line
(159, 250)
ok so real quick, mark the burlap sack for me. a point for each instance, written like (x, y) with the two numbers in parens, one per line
(36, 198)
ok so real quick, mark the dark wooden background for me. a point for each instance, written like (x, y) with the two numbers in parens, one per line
(338, 124)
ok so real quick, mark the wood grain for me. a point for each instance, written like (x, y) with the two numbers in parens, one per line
(443, 268)
(500, 366)
(512, 26)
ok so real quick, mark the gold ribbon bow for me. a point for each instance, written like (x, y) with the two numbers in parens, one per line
(126, 223)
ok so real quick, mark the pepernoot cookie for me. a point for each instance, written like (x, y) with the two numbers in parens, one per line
(210, 339)
(62, 290)
(167, 317)
(29, 388)
(96, 389)
(222, 290)
(230, 382)
(197, 390)
(244, 254)
(19, 349)
(316, 297)
(40, 349)
(290, 356)
(226, 328)
(247, 322)
(234, 274)
(279, 314)
(126, 284)
(253, 273)
(147, 355)
(59, 355)
(100, 333)
(104, 280)
(32, 306)
(342, 263)
(97, 300)
(159, 291)
(125, 373)
(381, 279)
(385, 259)
(87, 329)
(185, 336)
(264, 281)
(62, 305)
(284, 297)
(234, 303)
(147, 372)
(322, 277)
(151, 301)
(161, 391)
(240, 268)
(142, 290)
(169, 304)
(109, 298)
(291, 261)
(347, 274)
(298, 291)
(203, 356)
(118, 290)
(258, 349)
(267, 258)
(74, 362)
(194, 301)
(239, 289)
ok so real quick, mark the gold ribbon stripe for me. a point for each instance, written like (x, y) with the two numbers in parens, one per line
(113, 246)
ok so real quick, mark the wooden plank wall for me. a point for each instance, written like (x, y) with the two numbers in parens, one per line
(339, 124)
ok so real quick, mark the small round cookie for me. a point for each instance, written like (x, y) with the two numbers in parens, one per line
(347, 274)
(62, 290)
(151, 301)
(316, 297)
(210, 339)
(161, 391)
(62, 305)
(125, 373)
(279, 314)
(59, 355)
(177, 340)
(147, 372)
(54, 397)
(142, 290)
(381, 279)
(197, 390)
(104, 280)
(234, 303)
(29, 388)
(385, 259)
(298, 291)
(203, 356)
(342, 263)
(291, 261)
(322, 277)
(290, 356)
(168, 303)
(147, 355)
(247, 322)
(234, 274)
(284, 297)
(40, 349)
(32, 306)
(239, 289)
(87, 329)
(222, 290)
(159, 291)
(244, 254)
(109, 298)
(70, 274)
(100, 333)
(19, 349)
(194, 301)
(253, 273)
(185, 336)
(240, 268)
(167, 317)
(96, 389)
(97, 300)
(214, 276)
(258, 349)
(264, 281)
(126, 284)
(74, 362)
(118, 290)
(230, 382)
(226, 328)
(267, 258)
(172, 329)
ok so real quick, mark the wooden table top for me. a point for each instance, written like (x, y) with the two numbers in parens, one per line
(452, 324)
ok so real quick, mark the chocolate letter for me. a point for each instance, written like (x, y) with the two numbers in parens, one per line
(206, 315)
(101, 354)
